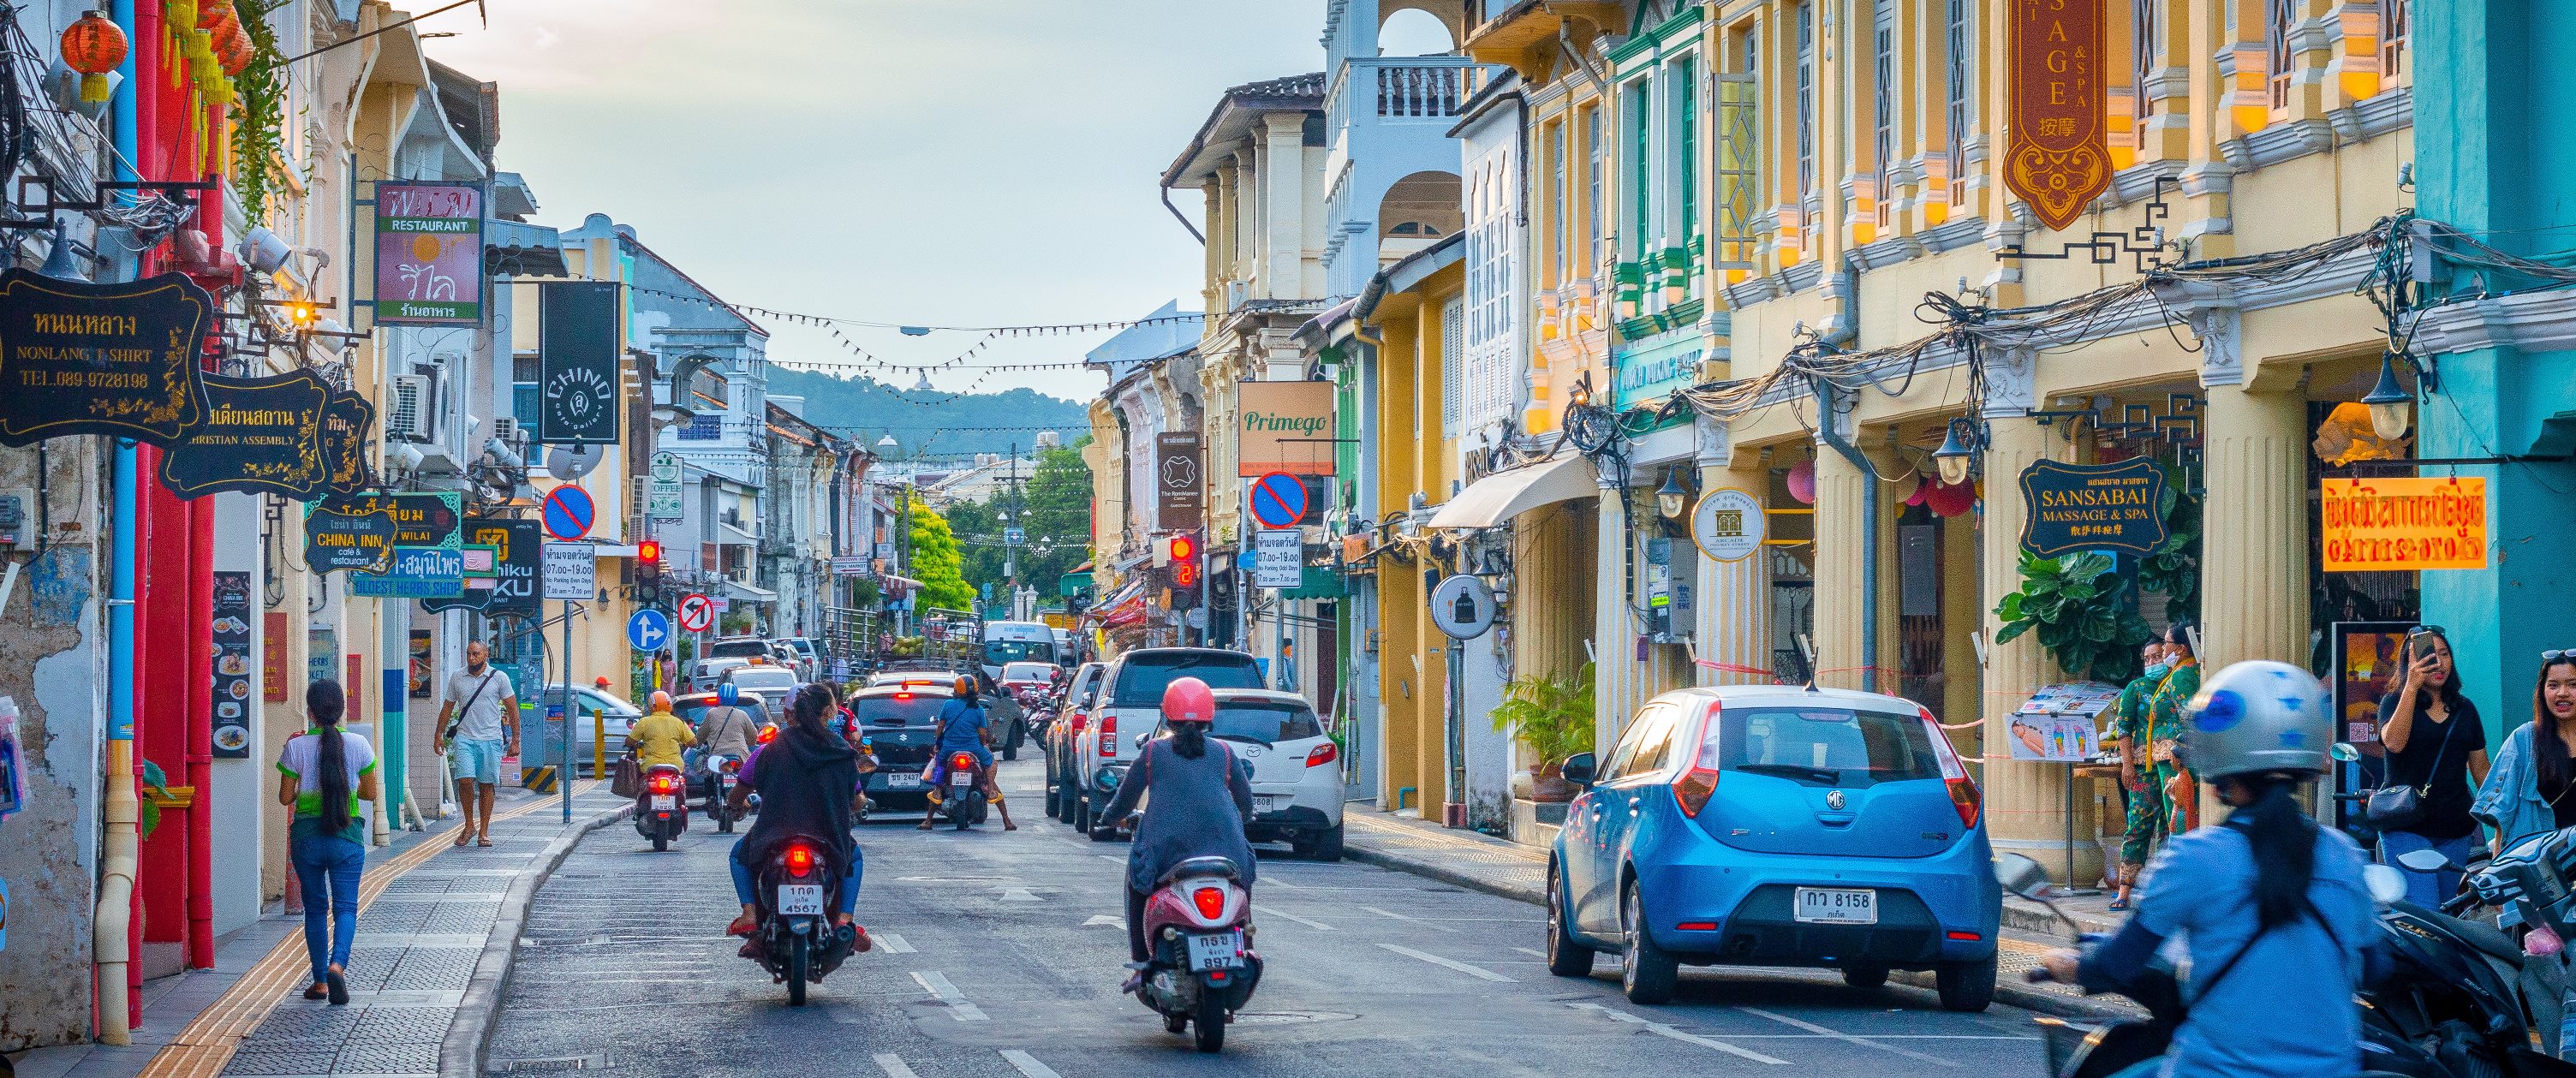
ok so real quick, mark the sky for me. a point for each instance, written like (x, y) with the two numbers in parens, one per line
(942, 162)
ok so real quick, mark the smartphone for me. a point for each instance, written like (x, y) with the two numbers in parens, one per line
(2419, 643)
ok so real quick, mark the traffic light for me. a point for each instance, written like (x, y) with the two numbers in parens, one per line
(1181, 552)
(648, 571)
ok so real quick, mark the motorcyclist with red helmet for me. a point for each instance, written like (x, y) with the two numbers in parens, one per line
(1196, 798)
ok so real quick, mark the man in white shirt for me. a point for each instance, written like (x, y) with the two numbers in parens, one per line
(478, 725)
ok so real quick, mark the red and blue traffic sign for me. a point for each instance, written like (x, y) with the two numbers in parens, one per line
(1278, 500)
(569, 513)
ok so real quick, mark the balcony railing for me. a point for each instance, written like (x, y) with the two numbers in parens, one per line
(1402, 88)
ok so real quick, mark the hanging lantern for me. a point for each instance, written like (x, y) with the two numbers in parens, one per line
(93, 46)
(180, 16)
(234, 53)
(1802, 482)
(217, 19)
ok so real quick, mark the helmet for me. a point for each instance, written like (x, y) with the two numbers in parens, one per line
(661, 700)
(728, 694)
(965, 685)
(2255, 717)
(601, 683)
(1188, 700)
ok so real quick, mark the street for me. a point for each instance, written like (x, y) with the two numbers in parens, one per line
(1000, 953)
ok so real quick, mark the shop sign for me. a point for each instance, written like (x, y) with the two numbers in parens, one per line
(427, 519)
(2071, 507)
(1652, 374)
(2403, 523)
(2057, 158)
(1284, 427)
(272, 657)
(577, 364)
(348, 533)
(1180, 480)
(417, 572)
(512, 590)
(346, 420)
(260, 436)
(1728, 524)
(233, 704)
(113, 359)
(429, 254)
(662, 499)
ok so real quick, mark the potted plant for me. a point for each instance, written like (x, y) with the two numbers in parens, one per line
(1553, 716)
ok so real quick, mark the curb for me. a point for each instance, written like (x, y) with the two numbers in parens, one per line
(460, 1054)
(2013, 994)
(1536, 896)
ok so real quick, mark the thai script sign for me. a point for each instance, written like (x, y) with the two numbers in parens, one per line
(416, 573)
(577, 363)
(2093, 507)
(260, 436)
(1284, 427)
(429, 254)
(346, 419)
(2057, 158)
(113, 359)
(2403, 523)
(361, 531)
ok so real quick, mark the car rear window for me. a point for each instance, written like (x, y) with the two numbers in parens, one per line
(771, 678)
(1028, 672)
(899, 709)
(737, 649)
(692, 712)
(1266, 723)
(1141, 680)
(1826, 746)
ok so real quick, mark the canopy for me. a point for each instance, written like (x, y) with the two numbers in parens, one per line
(1499, 497)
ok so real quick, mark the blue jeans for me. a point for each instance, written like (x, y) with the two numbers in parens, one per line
(2426, 889)
(743, 889)
(327, 868)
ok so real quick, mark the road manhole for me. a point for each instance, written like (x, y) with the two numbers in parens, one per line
(1288, 1018)
(593, 1061)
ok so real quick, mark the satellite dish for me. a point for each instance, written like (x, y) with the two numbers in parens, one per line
(573, 461)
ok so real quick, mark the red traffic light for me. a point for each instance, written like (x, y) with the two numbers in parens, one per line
(1185, 574)
(649, 552)
(1185, 548)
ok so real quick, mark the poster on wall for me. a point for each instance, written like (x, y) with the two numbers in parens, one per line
(2072, 507)
(2369, 663)
(112, 359)
(420, 664)
(233, 703)
(2061, 723)
(260, 436)
(577, 378)
(272, 657)
(2057, 157)
(1284, 427)
(429, 254)
(2403, 523)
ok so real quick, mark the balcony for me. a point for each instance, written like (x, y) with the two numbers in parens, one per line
(1401, 89)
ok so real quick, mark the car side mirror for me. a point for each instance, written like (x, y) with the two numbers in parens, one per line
(2387, 885)
(1580, 769)
(2344, 751)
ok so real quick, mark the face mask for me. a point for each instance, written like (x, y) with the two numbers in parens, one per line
(2158, 670)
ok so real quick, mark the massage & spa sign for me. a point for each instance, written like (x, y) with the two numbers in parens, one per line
(429, 254)
(2402, 523)
(2075, 507)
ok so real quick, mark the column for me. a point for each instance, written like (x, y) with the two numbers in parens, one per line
(2255, 581)
(1617, 677)
(2025, 802)
(1214, 248)
(1842, 524)
(1733, 603)
(1283, 223)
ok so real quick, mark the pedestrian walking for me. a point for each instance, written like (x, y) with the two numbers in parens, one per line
(477, 726)
(2529, 792)
(2141, 801)
(323, 773)
(2437, 752)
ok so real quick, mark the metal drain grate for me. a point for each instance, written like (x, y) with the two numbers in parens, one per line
(593, 1061)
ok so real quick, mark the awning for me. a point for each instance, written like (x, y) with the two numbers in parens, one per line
(1499, 497)
(746, 593)
(741, 537)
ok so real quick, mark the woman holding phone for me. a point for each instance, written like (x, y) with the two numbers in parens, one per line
(2437, 748)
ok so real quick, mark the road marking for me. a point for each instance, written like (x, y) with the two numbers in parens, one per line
(1662, 1030)
(1415, 920)
(890, 943)
(894, 1066)
(1531, 951)
(1847, 1038)
(1099, 919)
(1268, 912)
(1028, 1064)
(937, 984)
(1477, 971)
(1110, 857)
(1018, 894)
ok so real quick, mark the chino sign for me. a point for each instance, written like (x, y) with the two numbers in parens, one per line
(2073, 507)
(113, 359)
(2369, 525)
(261, 436)
(1284, 427)
(577, 364)
(2058, 157)
(429, 254)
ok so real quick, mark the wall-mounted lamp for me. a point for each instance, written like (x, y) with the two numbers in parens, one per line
(1958, 452)
(2388, 401)
(1673, 497)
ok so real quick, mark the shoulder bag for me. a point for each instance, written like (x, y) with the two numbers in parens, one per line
(2396, 808)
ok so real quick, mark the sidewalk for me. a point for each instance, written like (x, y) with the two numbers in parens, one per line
(1406, 843)
(428, 911)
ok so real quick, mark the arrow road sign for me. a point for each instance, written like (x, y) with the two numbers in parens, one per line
(569, 513)
(648, 630)
(1278, 500)
(697, 613)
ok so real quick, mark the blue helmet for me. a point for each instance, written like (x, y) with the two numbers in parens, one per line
(729, 694)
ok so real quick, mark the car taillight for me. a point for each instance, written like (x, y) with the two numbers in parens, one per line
(1109, 735)
(903, 696)
(1322, 754)
(1081, 722)
(1698, 784)
(800, 859)
(1964, 795)
(768, 734)
(1210, 901)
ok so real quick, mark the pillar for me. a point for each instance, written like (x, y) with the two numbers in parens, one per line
(1733, 603)
(1618, 679)
(2256, 579)
(1841, 543)
(1284, 205)
(2025, 802)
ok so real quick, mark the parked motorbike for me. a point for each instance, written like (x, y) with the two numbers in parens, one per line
(963, 802)
(1198, 923)
(796, 941)
(2532, 879)
(662, 809)
(723, 773)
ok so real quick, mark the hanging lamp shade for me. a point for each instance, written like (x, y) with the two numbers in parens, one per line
(1951, 499)
(1802, 482)
(94, 45)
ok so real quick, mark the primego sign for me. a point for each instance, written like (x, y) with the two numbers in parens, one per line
(1284, 427)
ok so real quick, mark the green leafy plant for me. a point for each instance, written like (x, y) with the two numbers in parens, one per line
(2173, 568)
(259, 128)
(1551, 715)
(156, 789)
(2077, 605)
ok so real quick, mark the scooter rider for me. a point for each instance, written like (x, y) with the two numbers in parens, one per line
(1196, 802)
(2274, 910)
(964, 728)
(726, 729)
(804, 779)
(658, 738)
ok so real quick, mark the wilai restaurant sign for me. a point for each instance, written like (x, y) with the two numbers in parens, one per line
(2075, 507)
(1284, 427)
(114, 359)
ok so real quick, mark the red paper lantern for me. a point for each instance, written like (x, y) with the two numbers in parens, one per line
(1950, 501)
(216, 18)
(93, 46)
(234, 51)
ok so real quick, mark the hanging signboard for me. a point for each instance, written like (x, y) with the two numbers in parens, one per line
(417, 572)
(348, 533)
(260, 436)
(429, 254)
(1180, 480)
(662, 500)
(2403, 523)
(2057, 157)
(571, 571)
(1284, 427)
(346, 420)
(577, 363)
(2071, 507)
(512, 586)
(1728, 525)
(113, 359)
(1278, 558)
(232, 665)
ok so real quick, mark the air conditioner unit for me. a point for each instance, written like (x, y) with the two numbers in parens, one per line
(409, 419)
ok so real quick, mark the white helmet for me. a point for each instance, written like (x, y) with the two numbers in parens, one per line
(2256, 717)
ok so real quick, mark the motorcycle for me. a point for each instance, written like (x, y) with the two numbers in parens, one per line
(1198, 923)
(662, 810)
(963, 803)
(723, 774)
(2532, 878)
(796, 940)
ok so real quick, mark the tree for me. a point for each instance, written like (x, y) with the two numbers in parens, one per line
(934, 560)
(1054, 510)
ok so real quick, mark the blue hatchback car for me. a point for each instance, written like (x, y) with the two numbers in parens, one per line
(1768, 826)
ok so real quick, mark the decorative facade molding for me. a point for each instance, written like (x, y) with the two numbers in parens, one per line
(2528, 322)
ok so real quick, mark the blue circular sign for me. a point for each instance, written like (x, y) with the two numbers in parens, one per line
(569, 513)
(1278, 500)
(648, 630)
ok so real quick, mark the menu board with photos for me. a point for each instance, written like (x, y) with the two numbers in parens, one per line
(233, 704)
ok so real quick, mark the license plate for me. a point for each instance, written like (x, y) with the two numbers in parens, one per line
(800, 898)
(729, 780)
(1838, 905)
(665, 802)
(1269, 802)
(961, 780)
(904, 782)
(1222, 950)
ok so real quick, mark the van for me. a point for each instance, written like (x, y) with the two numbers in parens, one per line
(1014, 641)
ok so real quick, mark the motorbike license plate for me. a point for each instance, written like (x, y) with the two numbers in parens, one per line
(961, 780)
(665, 802)
(730, 780)
(1223, 950)
(800, 898)
(1837, 905)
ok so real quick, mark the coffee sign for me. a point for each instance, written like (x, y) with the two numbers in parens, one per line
(2071, 507)
(261, 436)
(113, 359)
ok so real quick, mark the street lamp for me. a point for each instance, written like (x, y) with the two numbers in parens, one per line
(2388, 401)
(1956, 452)
(1672, 497)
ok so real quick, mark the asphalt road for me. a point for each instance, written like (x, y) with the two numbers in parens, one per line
(999, 954)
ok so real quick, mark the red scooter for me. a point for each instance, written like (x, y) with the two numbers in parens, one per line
(1198, 923)
(662, 810)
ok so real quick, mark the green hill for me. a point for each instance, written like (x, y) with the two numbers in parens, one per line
(866, 408)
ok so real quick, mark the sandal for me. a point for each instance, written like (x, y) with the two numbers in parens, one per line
(463, 834)
(318, 991)
(743, 926)
(336, 986)
(485, 842)
(2120, 904)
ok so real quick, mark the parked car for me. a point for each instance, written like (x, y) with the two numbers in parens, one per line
(1769, 826)
(809, 659)
(900, 723)
(1296, 772)
(1130, 709)
(1071, 721)
(591, 709)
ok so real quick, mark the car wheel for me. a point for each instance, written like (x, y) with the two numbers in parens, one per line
(1565, 956)
(1649, 974)
(1966, 987)
(1864, 975)
(1054, 796)
(1327, 846)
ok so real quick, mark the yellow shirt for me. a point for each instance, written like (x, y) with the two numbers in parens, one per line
(658, 738)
